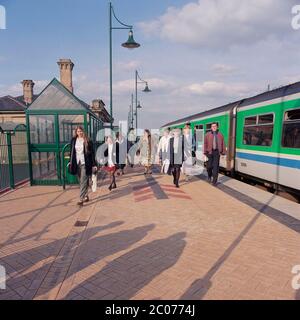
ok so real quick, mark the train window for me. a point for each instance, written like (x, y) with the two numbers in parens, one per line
(208, 126)
(291, 129)
(292, 115)
(258, 135)
(266, 119)
(199, 127)
(250, 121)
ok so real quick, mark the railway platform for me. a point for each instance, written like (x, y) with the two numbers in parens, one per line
(149, 240)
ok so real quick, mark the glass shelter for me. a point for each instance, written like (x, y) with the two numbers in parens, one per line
(51, 120)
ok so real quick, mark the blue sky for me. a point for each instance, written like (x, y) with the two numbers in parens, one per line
(196, 54)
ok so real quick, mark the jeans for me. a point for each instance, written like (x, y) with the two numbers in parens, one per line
(84, 181)
(213, 165)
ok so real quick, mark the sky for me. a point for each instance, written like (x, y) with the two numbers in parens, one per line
(195, 54)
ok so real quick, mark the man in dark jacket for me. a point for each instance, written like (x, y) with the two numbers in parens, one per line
(214, 147)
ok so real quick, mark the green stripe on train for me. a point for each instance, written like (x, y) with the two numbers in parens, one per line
(278, 109)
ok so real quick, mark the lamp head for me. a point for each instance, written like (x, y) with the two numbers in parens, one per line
(131, 44)
(147, 88)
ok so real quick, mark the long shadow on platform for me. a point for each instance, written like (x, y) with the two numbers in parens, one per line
(17, 263)
(97, 248)
(201, 286)
(124, 277)
(263, 208)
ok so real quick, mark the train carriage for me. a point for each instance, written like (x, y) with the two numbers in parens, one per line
(262, 134)
(268, 137)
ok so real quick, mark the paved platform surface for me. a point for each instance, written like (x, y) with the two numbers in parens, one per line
(149, 240)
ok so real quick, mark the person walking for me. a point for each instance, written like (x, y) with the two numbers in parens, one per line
(214, 147)
(111, 155)
(189, 152)
(145, 150)
(131, 140)
(176, 151)
(163, 155)
(82, 161)
(121, 153)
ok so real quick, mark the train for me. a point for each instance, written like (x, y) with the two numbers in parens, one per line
(262, 135)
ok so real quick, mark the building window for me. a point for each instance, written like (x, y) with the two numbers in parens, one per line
(291, 129)
(258, 130)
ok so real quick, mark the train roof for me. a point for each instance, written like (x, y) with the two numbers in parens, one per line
(265, 96)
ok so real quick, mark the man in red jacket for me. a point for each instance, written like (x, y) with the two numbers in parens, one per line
(214, 147)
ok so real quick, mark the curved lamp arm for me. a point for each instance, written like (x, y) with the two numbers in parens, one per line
(125, 26)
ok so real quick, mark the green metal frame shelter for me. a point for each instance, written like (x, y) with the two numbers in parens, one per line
(51, 120)
(13, 155)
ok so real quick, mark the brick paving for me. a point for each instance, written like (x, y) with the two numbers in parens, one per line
(147, 240)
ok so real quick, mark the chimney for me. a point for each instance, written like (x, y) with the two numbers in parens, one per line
(28, 91)
(97, 107)
(66, 67)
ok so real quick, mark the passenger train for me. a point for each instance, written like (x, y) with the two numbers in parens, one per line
(262, 135)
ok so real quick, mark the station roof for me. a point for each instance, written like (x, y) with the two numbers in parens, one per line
(11, 104)
(57, 97)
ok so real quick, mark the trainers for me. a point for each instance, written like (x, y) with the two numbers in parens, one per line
(80, 203)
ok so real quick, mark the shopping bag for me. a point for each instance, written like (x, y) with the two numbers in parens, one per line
(94, 180)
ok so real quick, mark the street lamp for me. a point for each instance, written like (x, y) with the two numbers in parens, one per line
(138, 80)
(129, 44)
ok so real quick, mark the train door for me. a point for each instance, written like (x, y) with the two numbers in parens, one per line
(289, 159)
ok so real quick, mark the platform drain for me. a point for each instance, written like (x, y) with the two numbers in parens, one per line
(81, 223)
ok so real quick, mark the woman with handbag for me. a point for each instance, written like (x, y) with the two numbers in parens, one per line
(145, 150)
(82, 161)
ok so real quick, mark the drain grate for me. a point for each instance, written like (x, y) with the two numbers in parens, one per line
(81, 223)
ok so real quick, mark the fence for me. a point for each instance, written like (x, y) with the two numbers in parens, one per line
(14, 164)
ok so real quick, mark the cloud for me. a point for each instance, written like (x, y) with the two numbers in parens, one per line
(222, 23)
(223, 69)
(128, 66)
(16, 89)
(218, 89)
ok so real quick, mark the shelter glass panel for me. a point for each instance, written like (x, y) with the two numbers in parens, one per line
(44, 166)
(67, 126)
(42, 129)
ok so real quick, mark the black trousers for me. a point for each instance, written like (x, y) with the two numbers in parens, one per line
(213, 165)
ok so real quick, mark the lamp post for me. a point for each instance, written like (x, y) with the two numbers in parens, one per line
(138, 80)
(129, 44)
(131, 114)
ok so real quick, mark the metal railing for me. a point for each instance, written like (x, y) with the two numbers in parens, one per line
(14, 165)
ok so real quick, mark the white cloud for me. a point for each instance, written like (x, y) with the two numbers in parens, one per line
(17, 89)
(222, 23)
(223, 69)
(128, 66)
(218, 89)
